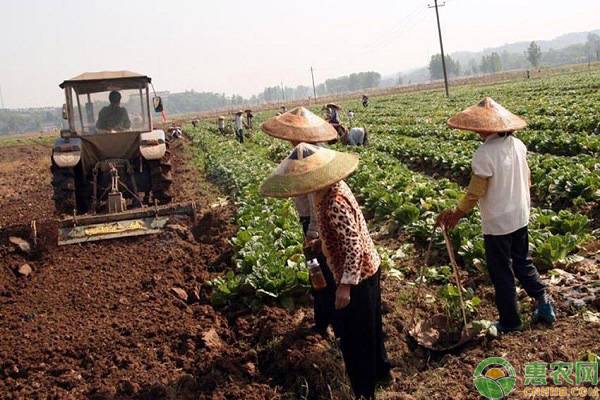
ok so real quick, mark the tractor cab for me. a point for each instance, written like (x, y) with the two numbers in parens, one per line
(108, 102)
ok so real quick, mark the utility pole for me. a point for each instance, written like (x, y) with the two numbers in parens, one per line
(282, 92)
(437, 13)
(312, 73)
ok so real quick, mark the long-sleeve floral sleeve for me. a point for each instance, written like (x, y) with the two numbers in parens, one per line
(350, 252)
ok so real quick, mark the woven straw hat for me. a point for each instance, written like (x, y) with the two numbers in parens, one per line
(487, 117)
(299, 125)
(308, 168)
(221, 117)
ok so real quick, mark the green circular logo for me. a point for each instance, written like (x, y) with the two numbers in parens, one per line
(494, 378)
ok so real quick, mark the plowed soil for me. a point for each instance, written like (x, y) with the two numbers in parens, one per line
(104, 320)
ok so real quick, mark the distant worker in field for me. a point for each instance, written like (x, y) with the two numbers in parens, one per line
(350, 253)
(355, 136)
(332, 115)
(500, 182)
(365, 101)
(249, 118)
(221, 124)
(282, 110)
(239, 126)
(301, 125)
(113, 117)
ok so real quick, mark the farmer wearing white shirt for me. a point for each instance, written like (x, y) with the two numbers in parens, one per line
(239, 126)
(221, 124)
(500, 183)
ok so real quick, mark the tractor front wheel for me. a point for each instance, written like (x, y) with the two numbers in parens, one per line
(63, 183)
(161, 179)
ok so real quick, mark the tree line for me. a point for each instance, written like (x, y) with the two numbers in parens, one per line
(191, 101)
(29, 120)
(533, 57)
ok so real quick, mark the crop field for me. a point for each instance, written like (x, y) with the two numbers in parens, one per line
(414, 167)
(221, 310)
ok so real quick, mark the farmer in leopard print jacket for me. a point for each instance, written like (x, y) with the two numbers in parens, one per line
(351, 256)
(296, 126)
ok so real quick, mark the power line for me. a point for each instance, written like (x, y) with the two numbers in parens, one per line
(437, 14)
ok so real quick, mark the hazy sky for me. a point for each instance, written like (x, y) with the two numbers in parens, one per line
(242, 46)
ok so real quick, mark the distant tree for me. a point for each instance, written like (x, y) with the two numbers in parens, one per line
(491, 64)
(436, 70)
(353, 82)
(593, 45)
(302, 92)
(400, 80)
(473, 68)
(534, 54)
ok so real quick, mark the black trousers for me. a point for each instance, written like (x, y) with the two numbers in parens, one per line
(240, 135)
(324, 299)
(507, 256)
(360, 328)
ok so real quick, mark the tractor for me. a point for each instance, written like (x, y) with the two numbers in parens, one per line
(111, 170)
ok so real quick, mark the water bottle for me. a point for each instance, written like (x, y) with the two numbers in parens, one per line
(317, 279)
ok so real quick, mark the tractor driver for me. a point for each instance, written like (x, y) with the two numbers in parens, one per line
(113, 116)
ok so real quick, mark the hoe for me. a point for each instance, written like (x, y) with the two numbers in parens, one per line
(111, 172)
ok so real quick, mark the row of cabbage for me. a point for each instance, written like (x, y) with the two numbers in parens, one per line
(563, 112)
(397, 200)
(558, 182)
(268, 265)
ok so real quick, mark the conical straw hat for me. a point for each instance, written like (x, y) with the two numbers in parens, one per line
(299, 125)
(308, 168)
(487, 117)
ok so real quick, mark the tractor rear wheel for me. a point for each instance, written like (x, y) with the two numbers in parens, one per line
(63, 183)
(161, 179)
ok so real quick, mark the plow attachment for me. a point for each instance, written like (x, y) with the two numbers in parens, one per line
(141, 221)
